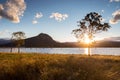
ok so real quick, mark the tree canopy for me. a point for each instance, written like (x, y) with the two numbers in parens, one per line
(18, 35)
(90, 25)
(18, 39)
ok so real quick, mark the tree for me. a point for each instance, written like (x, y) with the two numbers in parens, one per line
(18, 39)
(89, 26)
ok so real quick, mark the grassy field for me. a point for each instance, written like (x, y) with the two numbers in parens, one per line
(58, 67)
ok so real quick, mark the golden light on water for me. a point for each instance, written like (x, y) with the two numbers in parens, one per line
(87, 42)
(86, 51)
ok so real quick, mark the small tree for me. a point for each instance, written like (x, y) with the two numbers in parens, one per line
(89, 26)
(18, 39)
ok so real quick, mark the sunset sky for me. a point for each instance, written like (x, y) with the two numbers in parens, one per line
(55, 17)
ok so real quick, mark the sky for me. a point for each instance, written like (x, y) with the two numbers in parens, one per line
(56, 17)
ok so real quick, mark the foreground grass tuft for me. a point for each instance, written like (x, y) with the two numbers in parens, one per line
(58, 67)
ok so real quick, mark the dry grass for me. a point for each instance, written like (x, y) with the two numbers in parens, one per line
(58, 67)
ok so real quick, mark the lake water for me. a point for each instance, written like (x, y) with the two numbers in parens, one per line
(102, 51)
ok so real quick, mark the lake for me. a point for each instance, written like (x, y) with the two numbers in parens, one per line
(102, 51)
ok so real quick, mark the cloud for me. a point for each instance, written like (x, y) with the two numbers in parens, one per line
(34, 22)
(0, 17)
(58, 16)
(12, 10)
(102, 11)
(3, 32)
(116, 17)
(37, 16)
(112, 39)
(114, 0)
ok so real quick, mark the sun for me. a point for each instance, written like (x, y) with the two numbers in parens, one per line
(86, 40)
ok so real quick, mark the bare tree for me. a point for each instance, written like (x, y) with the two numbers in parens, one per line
(90, 25)
(18, 39)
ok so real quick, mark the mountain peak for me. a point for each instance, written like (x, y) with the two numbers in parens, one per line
(44, 36)
(41, 40)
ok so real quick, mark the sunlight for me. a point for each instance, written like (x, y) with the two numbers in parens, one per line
(86, 40)
(86, 51)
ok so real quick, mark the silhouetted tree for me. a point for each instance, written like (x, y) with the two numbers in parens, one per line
(18, 39)
(90, 25)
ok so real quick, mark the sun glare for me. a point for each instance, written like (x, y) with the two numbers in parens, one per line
(86, 51)
(86, 40)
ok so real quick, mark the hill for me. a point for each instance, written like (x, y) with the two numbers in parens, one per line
(107, 44)
(46, 41)
(42, 40)
(4, 41)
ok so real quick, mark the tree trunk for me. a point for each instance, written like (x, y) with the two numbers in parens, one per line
(18, 49)
(89, 49)
(11, 50)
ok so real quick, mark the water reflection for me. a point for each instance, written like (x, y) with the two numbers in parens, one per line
(102, 51)
(87, 52)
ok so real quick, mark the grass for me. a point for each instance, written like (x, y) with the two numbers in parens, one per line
(58, 67)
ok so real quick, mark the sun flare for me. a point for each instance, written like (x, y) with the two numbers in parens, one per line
(86, 40)
(86, 51)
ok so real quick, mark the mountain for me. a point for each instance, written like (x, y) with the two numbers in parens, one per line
(4, 41)
(105, 43)
(44, 40)
(41, 40)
